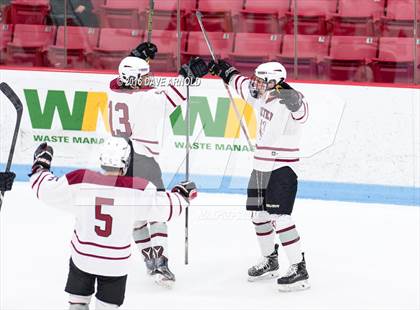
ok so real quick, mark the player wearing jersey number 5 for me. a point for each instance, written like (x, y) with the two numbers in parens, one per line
(105, 205)
(138, 111)
(272, 187)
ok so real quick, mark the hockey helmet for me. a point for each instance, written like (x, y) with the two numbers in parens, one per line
(115, 154)
(132, 70)
(267, 76)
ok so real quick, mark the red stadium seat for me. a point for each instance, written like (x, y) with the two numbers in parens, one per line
(349, 56)
(97, 4)
(114, 44)
(263, 17)
(246, 56)
(312, 16)
(165, 11)
(5, 13)
(6, 32)
(217, 15)
(311, 49)
(357, 17)
(123, 13)
(399, 18)
(29, 44)
(29, 11)
(80, 41)
(196, 46)
(167, 43)
(395, 62)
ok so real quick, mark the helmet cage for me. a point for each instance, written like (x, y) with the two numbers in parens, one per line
(258, 86)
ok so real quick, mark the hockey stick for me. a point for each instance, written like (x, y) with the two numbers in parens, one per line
(187, 169)
(14, 99)
(150, 20)
(243, 127)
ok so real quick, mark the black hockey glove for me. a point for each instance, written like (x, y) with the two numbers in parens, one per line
(6, 180)
(145, 51)
(288, 96)
(42, 158)
(196, 68)
(223, 69)
(187, 189)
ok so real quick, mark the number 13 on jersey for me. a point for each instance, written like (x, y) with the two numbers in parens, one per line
(119, 119)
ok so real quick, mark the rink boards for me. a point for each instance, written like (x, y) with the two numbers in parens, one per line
(360, 143)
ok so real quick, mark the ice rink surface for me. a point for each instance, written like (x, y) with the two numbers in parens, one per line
(359, 256)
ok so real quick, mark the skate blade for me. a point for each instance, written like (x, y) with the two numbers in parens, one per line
(298, 286)
(267, 276)
(162, 281)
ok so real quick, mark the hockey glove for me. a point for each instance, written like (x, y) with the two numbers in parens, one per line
(196, 68)
(288, 96)
(145, 51)
(186, 189)
(6, 181)
(223, 69)
(42, 158)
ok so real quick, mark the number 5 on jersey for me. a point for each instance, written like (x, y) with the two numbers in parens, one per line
(103, 217)
(119, 119)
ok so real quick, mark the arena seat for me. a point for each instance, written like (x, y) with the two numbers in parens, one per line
(246, 56)
(218, 15)
(114, 44)
(122, 13)
(29, 44)
(312, 16)
(167, 42)
(349, 56)
(311, 49)
(29, 11)
(6, 33)
(263, 17)
(196, 46)
(80, 41)
(399, 18)
(395, 62)
(357, 17)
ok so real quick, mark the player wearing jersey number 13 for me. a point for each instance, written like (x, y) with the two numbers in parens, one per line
(105, 206)
(273, 183)
(137, 112)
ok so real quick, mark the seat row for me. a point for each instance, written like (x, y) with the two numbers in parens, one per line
(360, 58)
(338, 17)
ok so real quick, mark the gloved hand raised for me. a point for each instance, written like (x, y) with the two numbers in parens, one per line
(145, 51)
(42, 158)
(196, 68)
(223, 69)
(6, 180)
(186, 189)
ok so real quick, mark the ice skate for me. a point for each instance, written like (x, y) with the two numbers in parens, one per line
(296, 278)
(266, 269)
(163, 276)
(149, 260)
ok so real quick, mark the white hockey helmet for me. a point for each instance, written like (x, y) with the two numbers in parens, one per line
(131, 70)
(267, 76)
(115, 154)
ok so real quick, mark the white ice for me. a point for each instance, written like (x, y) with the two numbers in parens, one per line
(359, 256)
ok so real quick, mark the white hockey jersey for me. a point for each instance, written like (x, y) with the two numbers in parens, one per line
(139, 114)
(278, 129)
(106, 208)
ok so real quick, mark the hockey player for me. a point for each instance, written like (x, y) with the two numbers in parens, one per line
(137, 112)
(6, 181)
(105, 206)
(272, 187)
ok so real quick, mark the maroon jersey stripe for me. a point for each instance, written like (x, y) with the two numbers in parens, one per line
(277, 159)
(290, 242)
(265, 233)
(170, 100)
(177, 92)
(145, 141)
(171, 206)
(91, 177)
(101, 245)
(37, 179)
(97, 256)
(159, 235)
(259, 224)
(39, 184)
(142, 241)
(283, 149)
(305, 111)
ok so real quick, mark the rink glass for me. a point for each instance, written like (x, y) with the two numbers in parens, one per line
(314, 39)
